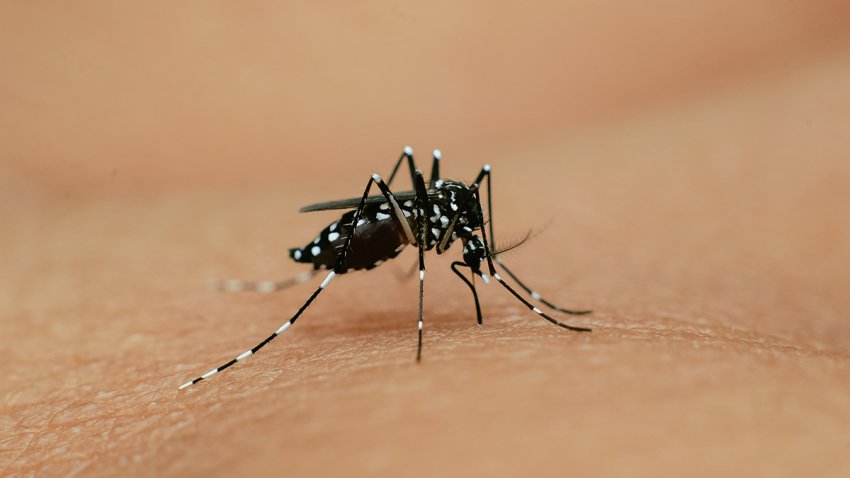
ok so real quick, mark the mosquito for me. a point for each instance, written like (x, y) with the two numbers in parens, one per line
(378, 227)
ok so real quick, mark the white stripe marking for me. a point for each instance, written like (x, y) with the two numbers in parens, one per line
(497, 277)
(185, 385)
(327, 279)
(233, 285)
(437, 154)
(536, 310)
(282, 328)
(535, 295)
(266, 286)
(210, 373)
(408, 150)
(422, 275)
(420, 325)
(246, 354)
(376, 177)
(485, 278)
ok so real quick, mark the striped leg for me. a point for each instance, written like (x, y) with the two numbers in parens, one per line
(265, 286)
(422, 204)
(268, 339)
(486, 172)
(340, 266)
(537, 296)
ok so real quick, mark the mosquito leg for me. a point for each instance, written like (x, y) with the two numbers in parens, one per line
(486, 171)
(422, 204)
(407, 154)
(338, 268)
(457, 264)
(268, 339)
(537, 296)
(487, 174)
(435, 166)
(266, 286)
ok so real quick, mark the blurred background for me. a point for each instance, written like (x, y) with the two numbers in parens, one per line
(104, 97)
(689, 158)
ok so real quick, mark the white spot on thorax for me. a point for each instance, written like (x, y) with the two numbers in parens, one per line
(381, 216)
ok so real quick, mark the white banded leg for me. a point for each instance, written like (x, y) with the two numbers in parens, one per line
(268, 339)
(537, 296)
(265, 286)
(505, 284)
(535, 309)
(487, 173)
(422, 204)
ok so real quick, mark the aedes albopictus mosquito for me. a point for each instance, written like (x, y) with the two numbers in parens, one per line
(377, 228)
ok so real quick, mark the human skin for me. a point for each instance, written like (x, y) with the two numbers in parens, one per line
(707, 226)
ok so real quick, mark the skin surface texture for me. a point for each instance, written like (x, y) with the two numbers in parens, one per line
(685, 171)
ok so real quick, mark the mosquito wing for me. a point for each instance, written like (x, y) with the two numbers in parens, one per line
(352, 203)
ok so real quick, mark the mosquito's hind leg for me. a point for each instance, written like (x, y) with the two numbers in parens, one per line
(265, 286)
(338, 268)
